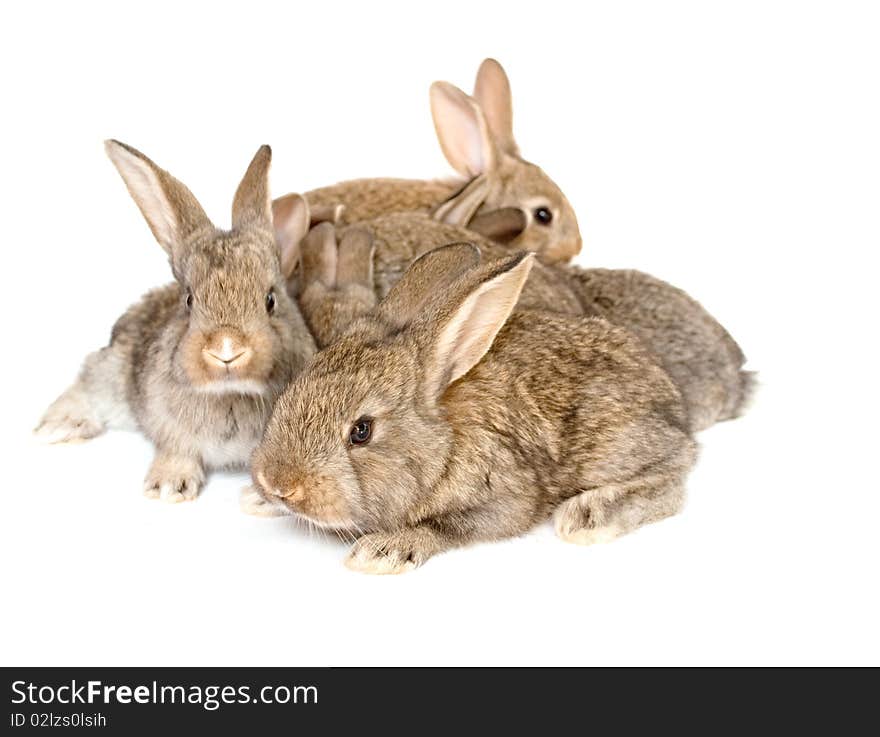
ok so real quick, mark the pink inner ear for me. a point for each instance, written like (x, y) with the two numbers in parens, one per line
(476, 155)
(468, 128)
(459, 127)
(289, 220)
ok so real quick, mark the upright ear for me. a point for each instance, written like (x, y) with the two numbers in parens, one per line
(461, 332)
(319, 256)
(462, 130)
(354, 264)
(426, 281)
(461, 207)
(170, 209)
(252, 204)
(492, 93)
(290, 220)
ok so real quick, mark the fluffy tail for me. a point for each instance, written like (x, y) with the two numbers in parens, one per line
(741, 400)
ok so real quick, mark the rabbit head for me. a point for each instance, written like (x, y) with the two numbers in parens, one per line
(522, 204)
(361, 437)
(236, 327)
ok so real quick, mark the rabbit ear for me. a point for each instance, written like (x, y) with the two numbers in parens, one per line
(354, 263)
(426, 281)
(319, 256)
(462, 130)
(252, 204)
(463, 329)
(460, 208)
(492, 93)
(290, 219)
(170, 209)
(501, 225)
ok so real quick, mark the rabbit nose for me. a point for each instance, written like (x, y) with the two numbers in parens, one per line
(293, 492)
(227, 352)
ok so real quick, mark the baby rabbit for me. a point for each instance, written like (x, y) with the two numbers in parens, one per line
(196, 364)
(476, 135)
(445, 417)
(502, 204)
(694, 349)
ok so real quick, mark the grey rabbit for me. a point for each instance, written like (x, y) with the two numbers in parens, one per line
(197, 364)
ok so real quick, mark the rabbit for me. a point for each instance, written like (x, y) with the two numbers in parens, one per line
(476, 136)
(695, 350)
(447, 415)
(197, 364)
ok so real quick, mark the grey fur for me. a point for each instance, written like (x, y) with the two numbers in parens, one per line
(159, 372)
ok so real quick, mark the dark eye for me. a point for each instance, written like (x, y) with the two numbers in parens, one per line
(270, 301)
(189, 300)
(361, 431)
(543, 215)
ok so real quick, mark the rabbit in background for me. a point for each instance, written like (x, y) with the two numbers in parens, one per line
(447, 415)
(196, 365)
(499, 207)
(476, 136)
(695, 350)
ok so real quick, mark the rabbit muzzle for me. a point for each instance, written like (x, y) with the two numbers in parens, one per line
(227, 351)
(315, 499)
(226, 358)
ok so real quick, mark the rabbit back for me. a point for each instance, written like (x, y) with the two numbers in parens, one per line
(400, 238)
(558, 407)
(691, 345)
(364, 199)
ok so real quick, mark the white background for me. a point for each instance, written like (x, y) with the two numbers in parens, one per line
(730, 148)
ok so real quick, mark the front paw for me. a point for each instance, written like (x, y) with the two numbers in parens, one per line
(252, 502)
(387, 552)
(174, 479)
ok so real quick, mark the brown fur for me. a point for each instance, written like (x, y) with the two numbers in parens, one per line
(336, 288)
(696, 351)
(199, 380)
(513, 182)
(692, 346)
(366, 198)
(562, 414)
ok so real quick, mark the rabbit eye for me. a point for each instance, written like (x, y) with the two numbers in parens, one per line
(189, 300)
(543, 215)
(361, 431)
(270, 301)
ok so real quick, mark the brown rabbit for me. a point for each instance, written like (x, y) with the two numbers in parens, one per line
(694, 349)
(444, 417)
(476, 135)
(197, 364)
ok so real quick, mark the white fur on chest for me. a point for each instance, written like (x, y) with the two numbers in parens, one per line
(222, 428)
(229, 453)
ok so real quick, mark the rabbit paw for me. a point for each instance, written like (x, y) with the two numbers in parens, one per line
(573, 524)
(387, 552)
(174, 479)
(252, 502)
(70, 419)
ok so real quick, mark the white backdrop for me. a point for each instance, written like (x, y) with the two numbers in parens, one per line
(730, 148)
